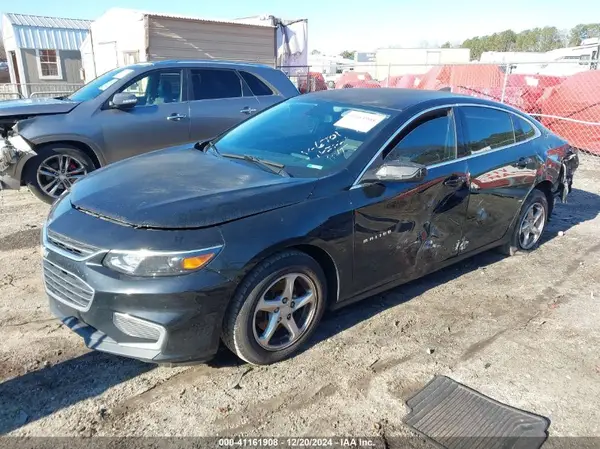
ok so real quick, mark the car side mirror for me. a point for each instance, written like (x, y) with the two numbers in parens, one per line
(397, 171)
(123, 100)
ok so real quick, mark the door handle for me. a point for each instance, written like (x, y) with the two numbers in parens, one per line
(176, 117)
(248, 110)
(455, 181)
(523, 162)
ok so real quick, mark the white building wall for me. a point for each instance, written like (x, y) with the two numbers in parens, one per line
(113, 37)
(402, 61)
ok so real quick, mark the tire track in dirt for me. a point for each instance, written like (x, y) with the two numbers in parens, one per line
(238, 423)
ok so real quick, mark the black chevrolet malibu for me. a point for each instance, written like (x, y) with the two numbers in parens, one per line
(316, 202)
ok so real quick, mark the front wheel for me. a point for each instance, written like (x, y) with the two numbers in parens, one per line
(276, 308)
(531, 223)
(55, 169)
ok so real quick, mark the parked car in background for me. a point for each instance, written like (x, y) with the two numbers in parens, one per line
(48, 144)
(320, 201)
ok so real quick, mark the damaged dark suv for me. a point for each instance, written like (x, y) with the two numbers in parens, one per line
(49, 143)
(317, 202)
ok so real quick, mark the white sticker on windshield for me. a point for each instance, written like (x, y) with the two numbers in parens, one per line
(107, 84)
(123, 73)
(360, 121)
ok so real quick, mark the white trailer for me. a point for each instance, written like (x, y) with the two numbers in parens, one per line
(124, 36)
(291, 41)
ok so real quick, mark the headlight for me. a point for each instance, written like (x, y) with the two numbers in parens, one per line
(159, 263)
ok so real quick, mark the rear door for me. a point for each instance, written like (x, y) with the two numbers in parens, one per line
(159, 119)
(404, 229)
(502, 165)
(219, 100)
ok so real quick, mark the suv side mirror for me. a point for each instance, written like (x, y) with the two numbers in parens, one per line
(397, 171)
(123, 101)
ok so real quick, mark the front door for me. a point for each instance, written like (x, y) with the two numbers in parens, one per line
(404, 229)
(160, 118)
(218, 102)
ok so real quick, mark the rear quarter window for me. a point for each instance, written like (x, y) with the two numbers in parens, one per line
(257, 86)
(523, 129)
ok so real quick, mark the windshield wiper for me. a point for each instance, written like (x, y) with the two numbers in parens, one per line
(206, 146)
(273, 167)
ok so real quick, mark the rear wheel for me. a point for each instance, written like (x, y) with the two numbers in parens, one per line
(276, 308)
(55, 169)
(531, 223)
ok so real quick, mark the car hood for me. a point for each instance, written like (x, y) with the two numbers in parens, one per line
(182, 188)
(35, 106)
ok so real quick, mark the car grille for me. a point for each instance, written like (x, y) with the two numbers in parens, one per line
(69, 245)
(66, 287)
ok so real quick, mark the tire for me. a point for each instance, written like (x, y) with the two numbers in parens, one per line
(50, 155)
(242, 322)
(535, 201)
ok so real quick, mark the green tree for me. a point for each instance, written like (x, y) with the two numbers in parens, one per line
(549, 38)
(476, 45)
(506, 40)
(583, 31)
(315, 52)
(348, 54)
(446, 44)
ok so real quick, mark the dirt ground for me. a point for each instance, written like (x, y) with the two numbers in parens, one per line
(523, 330)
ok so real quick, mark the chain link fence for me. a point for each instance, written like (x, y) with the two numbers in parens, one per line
(564, 96)
(9, 91)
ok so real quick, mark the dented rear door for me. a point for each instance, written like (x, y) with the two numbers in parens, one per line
(502, 166)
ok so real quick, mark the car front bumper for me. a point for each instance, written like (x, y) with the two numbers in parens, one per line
(14, 153)
(162, 320)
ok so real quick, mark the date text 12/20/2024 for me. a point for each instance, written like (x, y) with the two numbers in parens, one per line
(297, 442)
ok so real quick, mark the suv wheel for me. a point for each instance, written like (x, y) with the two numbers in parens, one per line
(55, 169)
(276, 308)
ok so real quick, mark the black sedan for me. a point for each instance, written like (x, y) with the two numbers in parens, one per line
(316, 202)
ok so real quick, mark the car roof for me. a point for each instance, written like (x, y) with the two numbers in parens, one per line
(202, 62)
(394, 98)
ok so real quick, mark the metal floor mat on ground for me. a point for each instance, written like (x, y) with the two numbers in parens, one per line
(456, 416)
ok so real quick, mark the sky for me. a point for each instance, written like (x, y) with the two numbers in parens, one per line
(336, 25)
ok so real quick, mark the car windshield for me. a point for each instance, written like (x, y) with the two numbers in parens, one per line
(95, 87)
(310, 137)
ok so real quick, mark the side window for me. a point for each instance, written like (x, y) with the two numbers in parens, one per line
(211, 84)
(486, 128)
(258, 88)
(523, 130)
(156, 88)
(431, 140)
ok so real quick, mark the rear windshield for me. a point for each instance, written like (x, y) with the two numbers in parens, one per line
(311, 136)
(98, 85)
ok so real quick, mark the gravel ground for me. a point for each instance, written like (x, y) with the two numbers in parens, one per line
(522, 329)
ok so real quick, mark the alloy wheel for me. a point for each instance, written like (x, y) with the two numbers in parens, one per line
(58, 173)
(532, 226)
(285, 311)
